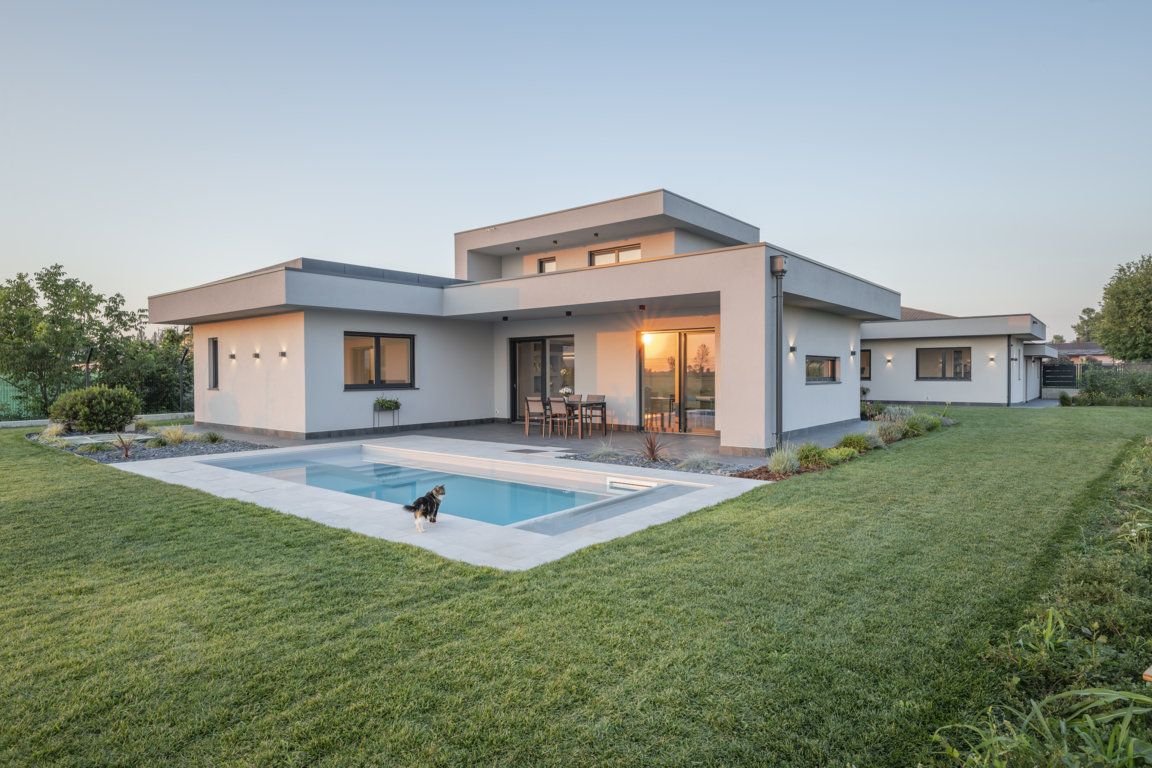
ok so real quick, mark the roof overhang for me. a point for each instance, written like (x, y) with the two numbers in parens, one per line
(1023, 326)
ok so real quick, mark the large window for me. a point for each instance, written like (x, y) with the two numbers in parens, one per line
(866, 365)
(213, 363)
(821, 370)
(944, 363)
(614, 255)
(379, 361)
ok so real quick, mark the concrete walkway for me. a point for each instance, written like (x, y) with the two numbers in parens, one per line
(145, 416)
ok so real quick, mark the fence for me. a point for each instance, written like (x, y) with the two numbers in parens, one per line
(11, 408)
(1116, 379)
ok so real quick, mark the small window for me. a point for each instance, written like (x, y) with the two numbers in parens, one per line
(546, 265)
(944, 364)
(614, 255)
(213, 363)
(866, 365)
(379, 361)
(821, 370)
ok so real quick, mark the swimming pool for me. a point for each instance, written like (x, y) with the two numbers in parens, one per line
(477, 496)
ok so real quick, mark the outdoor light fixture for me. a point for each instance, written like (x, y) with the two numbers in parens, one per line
(643, 307)
(231, 355)
(991, 357)
(283, 353)
(256, 355)
(517, 247)
(888, 359)
(779, 265)
(792, 349)
(555, 242)
(852, 353)
(505, 318)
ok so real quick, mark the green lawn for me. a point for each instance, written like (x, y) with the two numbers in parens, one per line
(833, 618)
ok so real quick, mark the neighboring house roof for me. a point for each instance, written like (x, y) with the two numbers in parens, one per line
(911, 313)
(1079, 348)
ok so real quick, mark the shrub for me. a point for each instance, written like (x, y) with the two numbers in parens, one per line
(897, 413)
(698, 462)
(174, 435)
(1065, 399)
(810, 456)
(874, 441)
(141, 425)
(1116, 382)
(924, 423)
(210, 437)
(891, 431)
(96, 409)
(605, 451)
(857, 442)
(784, 460)
(915, 426)
(834, 456)
(653, 448)
(52, 431)
(157, 442)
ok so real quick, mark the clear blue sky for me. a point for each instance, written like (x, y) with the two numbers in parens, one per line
(978, 157)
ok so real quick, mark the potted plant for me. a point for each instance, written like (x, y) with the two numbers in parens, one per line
(386, 404)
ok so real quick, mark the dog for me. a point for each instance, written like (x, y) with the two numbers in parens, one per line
(426, 507)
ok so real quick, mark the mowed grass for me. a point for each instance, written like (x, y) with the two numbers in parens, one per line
(833, 618)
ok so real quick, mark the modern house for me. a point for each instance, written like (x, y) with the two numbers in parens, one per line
(665, 306)
(927, 357)
(1083, 352)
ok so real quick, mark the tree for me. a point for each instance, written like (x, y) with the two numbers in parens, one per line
(51, 325)
(1085, 329)
(1057, 338)
(1124, 323)
(151, 367)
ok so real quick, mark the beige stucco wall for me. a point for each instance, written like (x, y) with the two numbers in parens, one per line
(897, 381)
(660, 244)
(819, 333)
(267, 393)
(453, 371)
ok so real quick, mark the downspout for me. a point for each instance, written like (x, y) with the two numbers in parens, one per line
(1009, 368)
(779, 267)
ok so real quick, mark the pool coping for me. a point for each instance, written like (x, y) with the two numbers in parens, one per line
(457, 538)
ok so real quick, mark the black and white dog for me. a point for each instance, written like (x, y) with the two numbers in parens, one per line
(426, 506)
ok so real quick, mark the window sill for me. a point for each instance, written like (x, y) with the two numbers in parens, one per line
(943, 379)
(818, 383)
(212, 389)
(376, 387)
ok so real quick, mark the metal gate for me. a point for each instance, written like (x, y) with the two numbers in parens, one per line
(1059, 375)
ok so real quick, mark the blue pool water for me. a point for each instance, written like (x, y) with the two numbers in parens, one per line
(500, 502)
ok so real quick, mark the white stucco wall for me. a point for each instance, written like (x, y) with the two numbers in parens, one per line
(897, 381)
(453, 370)
(826, 335)
(266, 393)
(659, 244)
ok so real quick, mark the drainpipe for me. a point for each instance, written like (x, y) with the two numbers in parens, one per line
(1009, 367)
(779, 266)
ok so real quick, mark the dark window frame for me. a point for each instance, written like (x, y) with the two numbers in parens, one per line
(836, 372)
(616, 251)
(864, 352)
(411, 383)
(942, 364)
(540, 265)
(214, 362)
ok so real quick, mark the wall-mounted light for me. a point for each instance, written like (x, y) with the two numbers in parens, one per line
(888, 359)
(555, 242)
(256, 355)
(517, 247)
(643, 307)
(991, 357)
(283, 353)
(595, 234)
(231, 355)
(792, 349)
(852, 353)
(505, 318)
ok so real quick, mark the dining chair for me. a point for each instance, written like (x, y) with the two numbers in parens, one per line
(596, 407)
(559, 415)
(534, 411)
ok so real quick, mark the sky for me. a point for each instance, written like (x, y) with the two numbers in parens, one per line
(979, 157)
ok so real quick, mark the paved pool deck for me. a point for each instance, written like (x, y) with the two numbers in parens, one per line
(457, 538)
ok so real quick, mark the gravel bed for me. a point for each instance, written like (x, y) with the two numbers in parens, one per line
(142, 452)
(634, 460)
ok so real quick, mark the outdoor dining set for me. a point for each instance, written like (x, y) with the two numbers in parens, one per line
(566, 415)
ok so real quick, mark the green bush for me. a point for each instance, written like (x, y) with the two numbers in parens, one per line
(1118, 382)
(875, 441)
(157, 442)
(810, 456)
(897, 413)
(93, 448)
(1065, 399)
(96, 409)
(891, 431)
(915, 427)
(858, 442)
(174, 435)
(834, 456)
(211, 437)
(784, 460)
(929, 422)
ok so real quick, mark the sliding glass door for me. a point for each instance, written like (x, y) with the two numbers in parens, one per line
(541, 366)
(678, 381)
